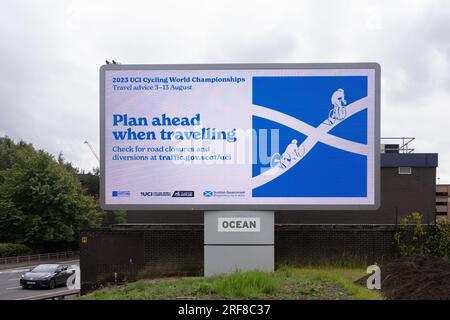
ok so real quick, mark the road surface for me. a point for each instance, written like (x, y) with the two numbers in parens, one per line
(10, 288)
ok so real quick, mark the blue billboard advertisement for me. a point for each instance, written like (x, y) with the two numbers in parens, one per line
(275, 137)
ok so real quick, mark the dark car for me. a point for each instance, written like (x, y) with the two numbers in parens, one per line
(46, 276)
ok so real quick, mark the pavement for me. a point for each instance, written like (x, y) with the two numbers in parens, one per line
(10, 288)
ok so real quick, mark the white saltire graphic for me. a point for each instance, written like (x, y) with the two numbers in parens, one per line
(314, 135)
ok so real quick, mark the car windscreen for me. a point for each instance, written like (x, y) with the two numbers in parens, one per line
(45, 268)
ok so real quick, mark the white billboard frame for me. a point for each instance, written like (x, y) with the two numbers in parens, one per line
(270, 207)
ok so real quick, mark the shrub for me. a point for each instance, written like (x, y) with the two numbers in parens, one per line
(407, 243)
(13, 249)
(438, 243)
(413, 239)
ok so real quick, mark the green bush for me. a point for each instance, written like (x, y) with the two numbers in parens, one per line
(14, 249)
(433, 241)
(411, 243)
(438, 243)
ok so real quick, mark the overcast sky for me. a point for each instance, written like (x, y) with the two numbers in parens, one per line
(50, 53)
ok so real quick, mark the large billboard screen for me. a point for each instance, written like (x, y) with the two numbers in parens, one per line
(240, 137)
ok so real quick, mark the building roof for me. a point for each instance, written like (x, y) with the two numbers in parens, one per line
(416, 160)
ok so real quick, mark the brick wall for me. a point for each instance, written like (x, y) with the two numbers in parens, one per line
(130, 252)
(353, 244)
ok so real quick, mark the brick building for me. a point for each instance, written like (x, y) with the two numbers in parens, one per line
(442, 201)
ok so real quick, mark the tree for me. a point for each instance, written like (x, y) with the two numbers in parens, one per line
(67, 165)
(8, 151)
(41, 200)
(91, 183)
(113, 217)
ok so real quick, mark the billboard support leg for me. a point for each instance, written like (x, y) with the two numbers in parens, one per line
(238, 241)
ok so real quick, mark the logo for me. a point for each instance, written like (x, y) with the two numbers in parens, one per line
(208, 194)
(183, 194)
(121, 193)
(374, 280)
(222, 194)
(239, 224)
(155, 194)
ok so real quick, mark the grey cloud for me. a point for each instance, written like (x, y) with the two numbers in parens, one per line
(268, 47)
(51, 52)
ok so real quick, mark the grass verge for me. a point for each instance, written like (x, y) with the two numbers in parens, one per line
(286, 283)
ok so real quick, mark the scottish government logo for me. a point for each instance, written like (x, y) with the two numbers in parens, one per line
(322, 148)
(208, 194)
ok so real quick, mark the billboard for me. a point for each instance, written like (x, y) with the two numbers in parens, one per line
(232, 137)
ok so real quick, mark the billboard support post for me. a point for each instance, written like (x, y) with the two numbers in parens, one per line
(238, 241)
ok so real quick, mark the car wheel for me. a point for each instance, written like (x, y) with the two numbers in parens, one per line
(51, 284)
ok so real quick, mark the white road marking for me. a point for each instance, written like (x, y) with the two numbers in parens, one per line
(64, 262)
(41, 295)
(13, 288)
(28, 268)
(14, 270)
(15, 279)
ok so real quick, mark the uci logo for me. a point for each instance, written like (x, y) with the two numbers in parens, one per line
(208, 194)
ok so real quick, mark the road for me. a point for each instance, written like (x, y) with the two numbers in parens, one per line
(11, 290)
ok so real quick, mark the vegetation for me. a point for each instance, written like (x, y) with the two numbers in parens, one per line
(242, 284)
(113, 217)
(439, 241)
(286, 283)
(13, 249)
(41, 199)
(413, 239)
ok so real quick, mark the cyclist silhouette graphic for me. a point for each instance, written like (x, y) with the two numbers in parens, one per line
(293, 152)
(338, 112)
(290, 155)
